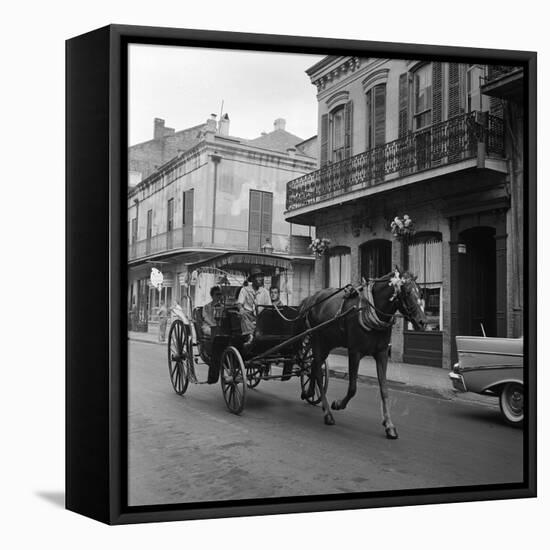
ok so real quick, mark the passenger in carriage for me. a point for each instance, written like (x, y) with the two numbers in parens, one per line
(211, 311)
(250, 301)
(275, 296)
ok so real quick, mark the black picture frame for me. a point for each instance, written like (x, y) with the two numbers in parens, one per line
(96, 171)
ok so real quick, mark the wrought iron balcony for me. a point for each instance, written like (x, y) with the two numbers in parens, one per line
(200, 237)
(497, 71)
(438, 145)
(504, 82)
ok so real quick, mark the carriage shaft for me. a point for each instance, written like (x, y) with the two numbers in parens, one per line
(302, 334)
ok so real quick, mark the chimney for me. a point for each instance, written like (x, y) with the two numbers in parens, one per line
(223, 126)
(279, 124)
(158, 128)
(211, 123)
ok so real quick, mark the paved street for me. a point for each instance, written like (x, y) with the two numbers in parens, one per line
(189, 449)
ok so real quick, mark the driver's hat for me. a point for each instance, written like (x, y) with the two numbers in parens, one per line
(255, 271)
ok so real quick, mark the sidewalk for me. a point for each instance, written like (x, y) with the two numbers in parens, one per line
(419, 379)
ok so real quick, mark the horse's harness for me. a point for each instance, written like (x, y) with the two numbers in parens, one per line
(372, 320)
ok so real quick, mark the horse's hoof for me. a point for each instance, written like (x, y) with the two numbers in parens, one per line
(335, 406)
(391, 433)
(329, 420)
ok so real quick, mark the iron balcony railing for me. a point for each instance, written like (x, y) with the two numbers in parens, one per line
(438, 145)
(497, 71)
(185, 238)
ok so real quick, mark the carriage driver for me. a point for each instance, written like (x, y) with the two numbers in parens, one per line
(250, 301)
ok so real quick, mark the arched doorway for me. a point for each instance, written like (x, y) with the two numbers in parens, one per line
(375, 258)
(477, 306)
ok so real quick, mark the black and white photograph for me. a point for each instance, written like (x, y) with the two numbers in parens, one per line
(275, 275)
(325, 275)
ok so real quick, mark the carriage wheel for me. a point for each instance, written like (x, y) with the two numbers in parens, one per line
(179, 357)
(253, 376)
(233, 379)
(305, 358)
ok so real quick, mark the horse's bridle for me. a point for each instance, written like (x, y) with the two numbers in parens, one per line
(407, 315)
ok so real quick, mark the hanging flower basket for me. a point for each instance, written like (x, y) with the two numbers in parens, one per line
(402, 228)
(319, 246)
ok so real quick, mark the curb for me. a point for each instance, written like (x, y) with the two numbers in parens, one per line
(145, 341)
(396, 385)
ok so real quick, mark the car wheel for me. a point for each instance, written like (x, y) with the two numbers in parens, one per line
(511, 403)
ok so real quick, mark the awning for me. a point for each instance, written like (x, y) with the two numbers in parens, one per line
(244, 262)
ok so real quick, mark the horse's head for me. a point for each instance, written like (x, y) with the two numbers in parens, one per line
(407, 298)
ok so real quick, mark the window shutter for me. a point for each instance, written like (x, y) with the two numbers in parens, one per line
(403, 104)
(188, 204)
(254, 220)
(267, 218)
(437, 91)
(348, 128)
(495, 106)
(454, 90)
(380, 115)
(324, 140)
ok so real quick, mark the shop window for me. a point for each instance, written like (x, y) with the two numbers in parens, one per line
(339, 267)
(425, 260)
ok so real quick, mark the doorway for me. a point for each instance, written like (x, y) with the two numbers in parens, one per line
(477, 307)
(375, 258)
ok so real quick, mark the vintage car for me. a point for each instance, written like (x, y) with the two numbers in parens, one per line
(492, 366)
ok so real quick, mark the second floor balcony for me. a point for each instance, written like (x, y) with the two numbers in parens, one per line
(443, 146)
(504, 82)
(184, 239)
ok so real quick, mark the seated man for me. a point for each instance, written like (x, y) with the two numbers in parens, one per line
(251, 299)
(211, 311)
(275, 296)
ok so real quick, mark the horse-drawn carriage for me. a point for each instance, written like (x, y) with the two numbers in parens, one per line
(280, 348)
(296, 340)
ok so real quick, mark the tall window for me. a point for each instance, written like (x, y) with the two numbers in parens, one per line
(170, 216)
(134, 230)
(187, 216)
(423, 97)
(337, 137)
(339, 267)
(425, 259)
(149, 224)
(260, 219)
(376, 116)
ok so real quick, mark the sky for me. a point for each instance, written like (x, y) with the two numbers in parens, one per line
(184, 85)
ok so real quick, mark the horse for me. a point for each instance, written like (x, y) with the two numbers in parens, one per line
(368, 314)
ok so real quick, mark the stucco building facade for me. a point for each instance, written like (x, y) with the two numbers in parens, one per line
(427, 140)
(220, 195)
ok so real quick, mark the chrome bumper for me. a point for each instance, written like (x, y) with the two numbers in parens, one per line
(458, 382)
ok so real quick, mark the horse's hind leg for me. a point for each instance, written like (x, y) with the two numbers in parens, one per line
(353, 367)
(381, 368)
(319, 357)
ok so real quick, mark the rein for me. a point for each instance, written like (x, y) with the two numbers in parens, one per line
(374, 322)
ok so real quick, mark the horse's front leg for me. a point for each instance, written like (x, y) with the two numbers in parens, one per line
(381, 368)
(353, 367)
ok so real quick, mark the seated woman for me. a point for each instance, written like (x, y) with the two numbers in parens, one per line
(251, 299)
(211, 311)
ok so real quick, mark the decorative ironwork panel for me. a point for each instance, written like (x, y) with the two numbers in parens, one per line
(440, 144)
